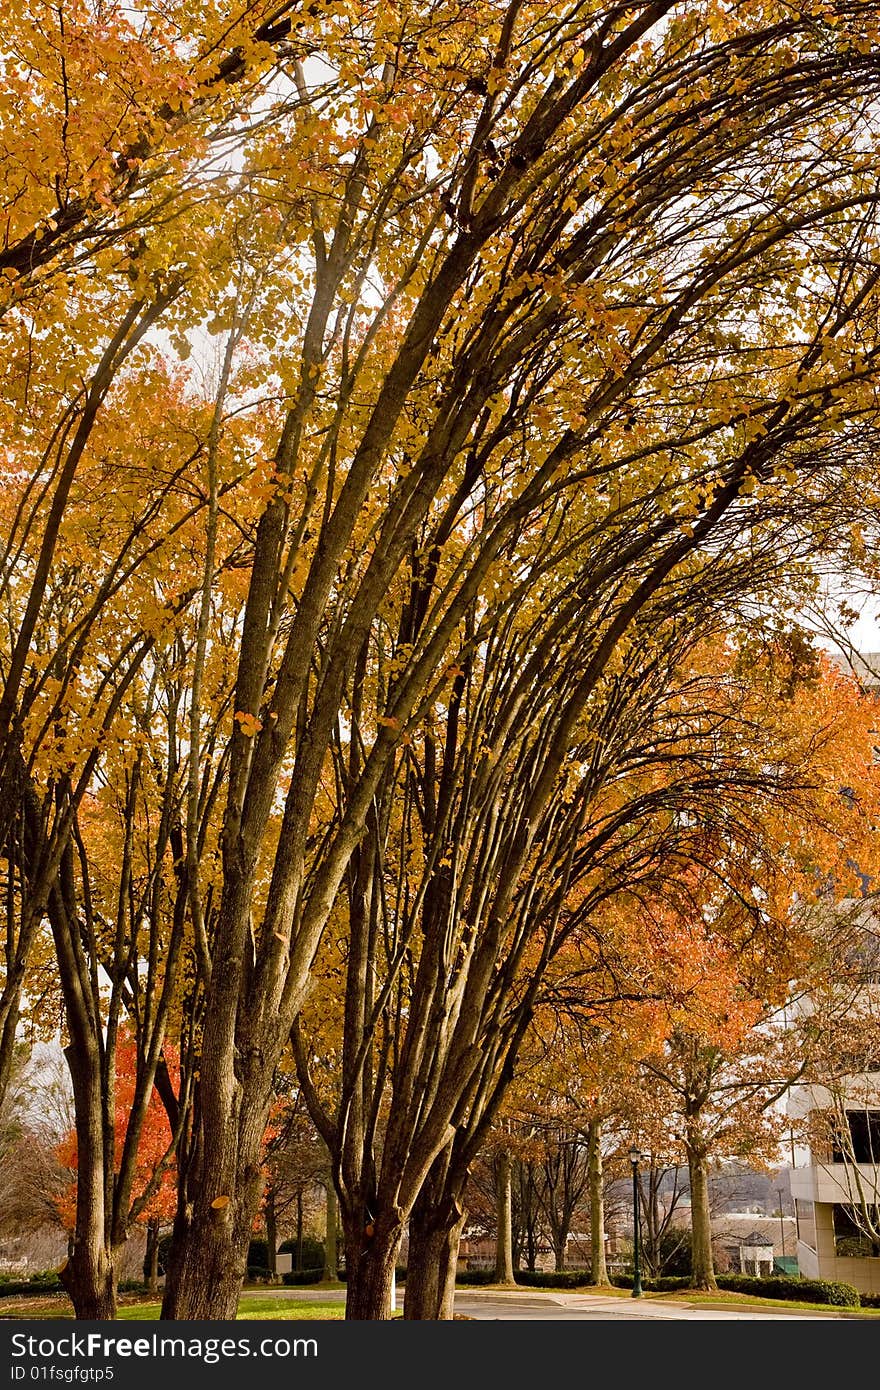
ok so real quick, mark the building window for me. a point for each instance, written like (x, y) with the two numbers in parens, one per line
(805, 1217)
(862, 1144)
(851, 1235)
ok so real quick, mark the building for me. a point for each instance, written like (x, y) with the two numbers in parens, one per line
(837, 1188)
(835, 1180)
(746, 1242)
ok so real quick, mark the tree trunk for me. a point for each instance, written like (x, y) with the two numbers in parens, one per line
(88, 1274)
(702, 1269)
(370, 1255)
(90, 1281)
(504, 1208)
(598, 1267)
(559, 1243)
(212, 1235)
(271, 1235)
(298, 1255)
(435, 1228)
(151, 1258)
(331, 1262)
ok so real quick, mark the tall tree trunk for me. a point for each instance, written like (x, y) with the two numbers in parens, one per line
(271, 1234)
(504, 1212)
(598, 1267)
(435, 1227)
(298, 1255)
(370, 1255)
(528, 1214)
(151, 1256)
(209, 1251)
(702, 1269)
(331, 1259)
(88, 1274)
(10, 1003)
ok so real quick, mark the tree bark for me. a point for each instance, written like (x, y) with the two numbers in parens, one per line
(598, 1267)
(88, 1274)
(702, 1268)
(435, 1228)
(151, 1258)
(213, 1232)
(90, 1281)
(271, 1234)
(331, 1270)
(298, 1256)
(370, 1255)
(504, 1200)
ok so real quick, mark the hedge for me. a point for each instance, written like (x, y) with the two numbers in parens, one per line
(305, 1277)
(785, 1287)
(794, 1288)
(47, 1281)
(312, 1251)
(475, 1276)
(44, 1281)
(552, 1279)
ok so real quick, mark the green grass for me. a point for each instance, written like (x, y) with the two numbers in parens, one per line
(252, 1307)
(255, 1306)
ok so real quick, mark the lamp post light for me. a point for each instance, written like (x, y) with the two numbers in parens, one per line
(635, 1158)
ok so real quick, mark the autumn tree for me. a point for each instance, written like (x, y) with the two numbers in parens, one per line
(602, 274)
(504, 289)
(152, 1185)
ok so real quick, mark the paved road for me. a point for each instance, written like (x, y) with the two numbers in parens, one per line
(556, 1305)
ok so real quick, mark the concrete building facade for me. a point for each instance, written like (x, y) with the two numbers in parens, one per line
(836, 1188)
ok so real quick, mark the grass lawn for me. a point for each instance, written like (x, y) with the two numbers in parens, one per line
(136, 1309)
(258, 1304)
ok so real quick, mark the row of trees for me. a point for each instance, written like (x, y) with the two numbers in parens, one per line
(420, 660)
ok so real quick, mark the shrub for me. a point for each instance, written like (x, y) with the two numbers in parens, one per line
(312, 1252)
(258, 1254)
(475, 1276)
(785, 1287)
(43, 1281)
(793, 1288)
(308, 1276)
(664, 1283)
(552, 1279)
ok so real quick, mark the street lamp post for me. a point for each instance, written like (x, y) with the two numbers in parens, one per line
(635, 1158)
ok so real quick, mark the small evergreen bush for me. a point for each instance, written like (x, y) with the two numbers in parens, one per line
(43, 1281)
